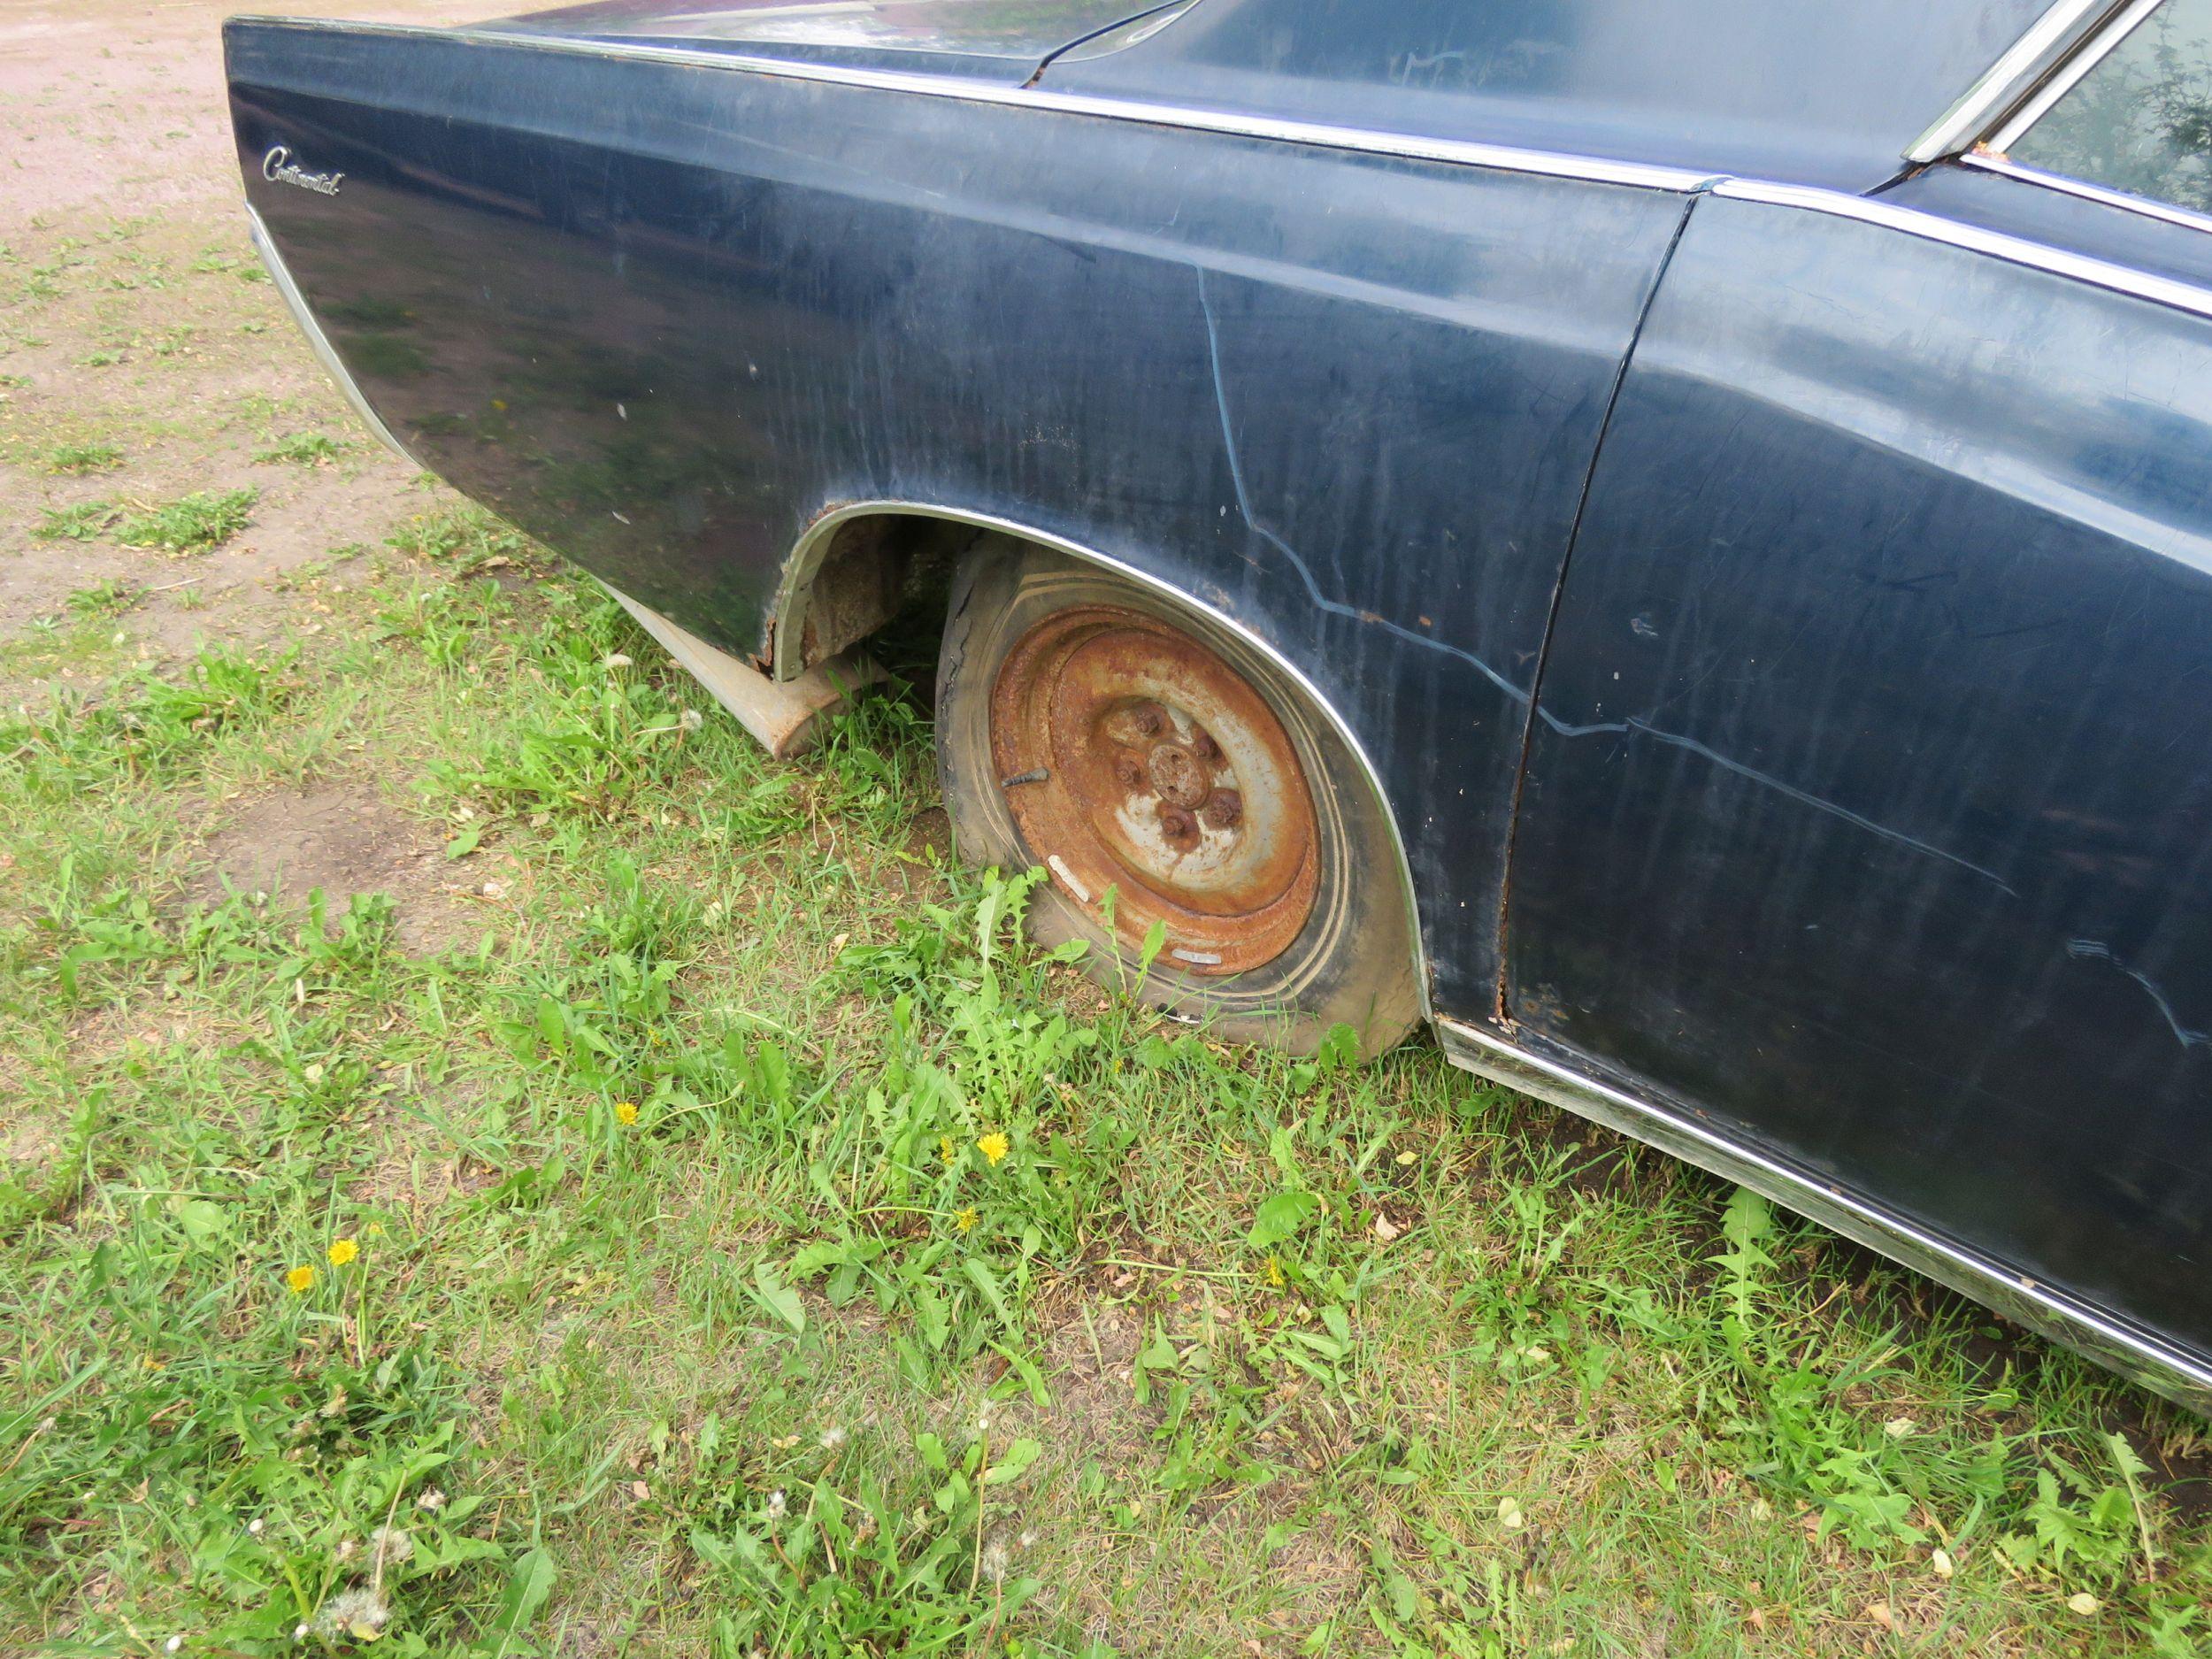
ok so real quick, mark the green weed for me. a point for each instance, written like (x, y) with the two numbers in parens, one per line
(302, 449)
(192, 524)
(83, 457)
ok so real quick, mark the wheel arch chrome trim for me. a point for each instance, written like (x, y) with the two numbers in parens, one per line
(813, 545)
(2103, 273)
(2179, 1374)
(1319, 134)
(294, 302)
(2040, 48)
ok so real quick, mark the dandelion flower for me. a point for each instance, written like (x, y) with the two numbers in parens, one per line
(433, 1500)
(374, 1230)
(945, 1149)
(1274, 1273)
(832, 1440)
(342, 1250)
(994, 1562)
(615, 659)
(965, 1220)
(389, 1544)
(301, 1279)
(256, 1526)
(691, 719)
(361, 1615)
(776, 1504)
(994, 1147)
(625, 1111)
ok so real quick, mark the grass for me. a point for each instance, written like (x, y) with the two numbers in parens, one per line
(83, 457)
(302, 449)
(191, 523)
(725, 1234)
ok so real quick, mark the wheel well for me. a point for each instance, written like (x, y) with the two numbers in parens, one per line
(860, 565)
(852, 573)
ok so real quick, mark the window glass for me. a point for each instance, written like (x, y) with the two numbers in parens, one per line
(2141, 121)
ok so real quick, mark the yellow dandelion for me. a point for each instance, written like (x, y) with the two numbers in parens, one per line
(965, 1220)
(341, 1251)
(302, 1279)
(625, 1111)
(1273, 1273)
(374, 1230)
(945, 1149)
(994, 1147)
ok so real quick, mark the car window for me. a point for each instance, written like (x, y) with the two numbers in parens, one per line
(2141, 121)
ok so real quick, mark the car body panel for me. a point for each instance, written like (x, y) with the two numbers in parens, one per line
(605, 304)
(1869, 804)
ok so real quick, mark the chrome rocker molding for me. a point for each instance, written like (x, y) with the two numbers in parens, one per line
(2081, 267)
(2181, 1376)
(265, 246)
(813, 546)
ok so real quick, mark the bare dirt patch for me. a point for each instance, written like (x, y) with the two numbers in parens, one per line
(347, 841)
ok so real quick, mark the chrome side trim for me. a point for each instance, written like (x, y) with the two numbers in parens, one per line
(264, 245)
(813, 546)
(1319, 135)
(2081, 267)
(2069, 75)
(2015, 70)
(2143, 204)
(2181, 1376)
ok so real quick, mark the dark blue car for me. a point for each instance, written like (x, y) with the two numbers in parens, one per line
(1669, 539)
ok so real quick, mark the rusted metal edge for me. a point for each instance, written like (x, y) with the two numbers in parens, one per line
(784, 716)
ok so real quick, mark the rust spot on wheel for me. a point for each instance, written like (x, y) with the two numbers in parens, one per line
(1168, 780)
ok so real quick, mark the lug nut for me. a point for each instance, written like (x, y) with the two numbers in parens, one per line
(1129, 772)
(1205, 748)
(1149, 720)
(1177, 825)
(1224, 809)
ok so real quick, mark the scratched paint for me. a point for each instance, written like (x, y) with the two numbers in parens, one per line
(1887, 836)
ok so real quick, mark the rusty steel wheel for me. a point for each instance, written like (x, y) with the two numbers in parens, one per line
(1167, 774)
(1139, 765)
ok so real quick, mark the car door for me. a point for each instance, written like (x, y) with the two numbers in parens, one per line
(1868, 813)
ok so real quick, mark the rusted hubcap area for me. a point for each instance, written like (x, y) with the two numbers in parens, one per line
(1135, 759)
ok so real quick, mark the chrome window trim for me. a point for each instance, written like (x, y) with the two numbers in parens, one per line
(2002, 84)
(2180, 1375)
(813, 545)
(1315, 134)
(2069, 75)
(2067, 185)
(296, 303)
(2017, 251)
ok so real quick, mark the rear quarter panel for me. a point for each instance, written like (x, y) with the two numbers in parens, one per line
(664, 315)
